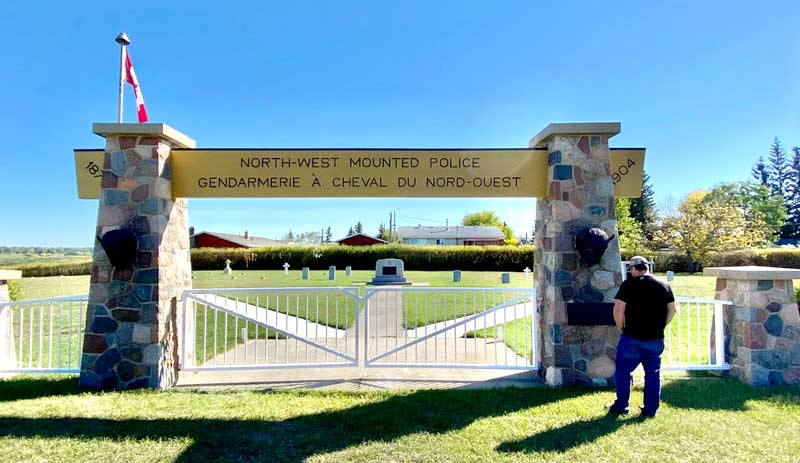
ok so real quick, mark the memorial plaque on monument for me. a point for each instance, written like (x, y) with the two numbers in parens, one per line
(389, 272)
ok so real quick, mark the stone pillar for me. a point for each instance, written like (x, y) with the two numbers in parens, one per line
(8, 353)
(580, 196)
(762, 327)
(133, 318)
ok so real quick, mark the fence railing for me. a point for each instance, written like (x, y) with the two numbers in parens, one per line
(258, 328)
(695, 339)
(451, 328)
(42, 335)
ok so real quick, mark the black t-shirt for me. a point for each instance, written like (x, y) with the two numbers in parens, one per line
(646, 299)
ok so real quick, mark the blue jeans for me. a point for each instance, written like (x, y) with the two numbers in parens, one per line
(630, 353)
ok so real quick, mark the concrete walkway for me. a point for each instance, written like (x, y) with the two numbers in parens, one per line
(386, 333)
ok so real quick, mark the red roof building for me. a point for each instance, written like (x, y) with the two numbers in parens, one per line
(360, 239)
(226, 240)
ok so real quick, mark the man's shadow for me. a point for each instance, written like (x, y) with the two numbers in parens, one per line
(695, 393)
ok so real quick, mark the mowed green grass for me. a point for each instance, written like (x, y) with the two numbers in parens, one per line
(702, 419)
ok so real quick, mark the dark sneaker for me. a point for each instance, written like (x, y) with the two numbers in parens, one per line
(613, 409)
(646, 414)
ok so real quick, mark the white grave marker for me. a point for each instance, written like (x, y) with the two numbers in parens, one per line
(227, 270)
(527, 272)
(286, 268)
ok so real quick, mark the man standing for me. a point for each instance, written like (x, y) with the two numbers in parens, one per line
(644, 306)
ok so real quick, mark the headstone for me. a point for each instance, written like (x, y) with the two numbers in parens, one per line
(227, 270)
(332, 272)
(457, 276)
(670, 275)
(389, 272)
(527, 273)
(305, 273)
(286, 268)
(348, 270)
(505, 278)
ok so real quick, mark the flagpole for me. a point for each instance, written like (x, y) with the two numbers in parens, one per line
(123, 40)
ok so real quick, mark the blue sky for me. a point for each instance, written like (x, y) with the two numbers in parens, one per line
(705, 86)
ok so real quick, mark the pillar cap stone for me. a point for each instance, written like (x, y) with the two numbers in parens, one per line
(10, 275)
(753, 272)
(574, 128)
(163, 131)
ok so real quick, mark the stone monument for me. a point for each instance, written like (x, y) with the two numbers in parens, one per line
(580, 196)
(389, 272)
(762, 327)
(133, 317)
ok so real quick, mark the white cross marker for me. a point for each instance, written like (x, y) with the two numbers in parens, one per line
(286, 268)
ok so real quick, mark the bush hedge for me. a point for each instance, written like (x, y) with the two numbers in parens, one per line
(54, 269)
(769, 257)
(488, 258)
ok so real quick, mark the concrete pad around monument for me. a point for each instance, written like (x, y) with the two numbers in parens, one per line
(6, 275)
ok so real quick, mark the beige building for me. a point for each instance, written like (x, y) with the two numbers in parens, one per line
(452, 235)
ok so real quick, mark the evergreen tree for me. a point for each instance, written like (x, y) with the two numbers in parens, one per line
(290, 236)
(328, 235)
(792, 227)
(383, 233)
(643, 209)
(359, 228)
(760, 173)
(350, 232)
(778, 168)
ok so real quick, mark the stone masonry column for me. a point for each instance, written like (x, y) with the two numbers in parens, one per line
(580, 195)
(8, 353)
(133, 317)
(762, 327)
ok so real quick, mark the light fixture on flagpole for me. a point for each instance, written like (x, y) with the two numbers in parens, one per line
(123, 40)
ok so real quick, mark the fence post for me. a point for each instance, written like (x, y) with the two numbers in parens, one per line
(719, 335)
(580, 196)
(761, 327)
(8, 352)
(133, 317)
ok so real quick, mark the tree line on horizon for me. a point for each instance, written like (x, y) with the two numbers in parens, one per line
(745, 214)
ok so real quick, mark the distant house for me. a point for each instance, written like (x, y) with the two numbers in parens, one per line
(360, 239)
(451, 235)
(226, 240)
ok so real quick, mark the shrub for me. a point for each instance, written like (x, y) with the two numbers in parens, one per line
(15, 292)
(488, 258)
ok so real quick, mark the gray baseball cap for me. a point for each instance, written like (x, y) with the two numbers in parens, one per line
(639, 260)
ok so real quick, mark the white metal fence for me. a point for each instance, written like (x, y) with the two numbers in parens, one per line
(451, 327)
(42, 335)
(319, 327)
(258, 328)
(695, 338)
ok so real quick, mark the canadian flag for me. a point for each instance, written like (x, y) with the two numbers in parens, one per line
(130, 77)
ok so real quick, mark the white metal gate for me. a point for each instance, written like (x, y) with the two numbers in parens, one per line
(259, 328)
(450, 327)
(695, 339)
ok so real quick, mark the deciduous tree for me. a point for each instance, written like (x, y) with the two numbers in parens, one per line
(629, 230)
(489, 218)
(701, 225)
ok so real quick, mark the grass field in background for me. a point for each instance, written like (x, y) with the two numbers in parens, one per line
(702, 419)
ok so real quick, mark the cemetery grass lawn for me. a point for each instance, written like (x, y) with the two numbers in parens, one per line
(702, 419)
(695, 285)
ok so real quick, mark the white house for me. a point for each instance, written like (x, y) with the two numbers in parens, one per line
(451, 235)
